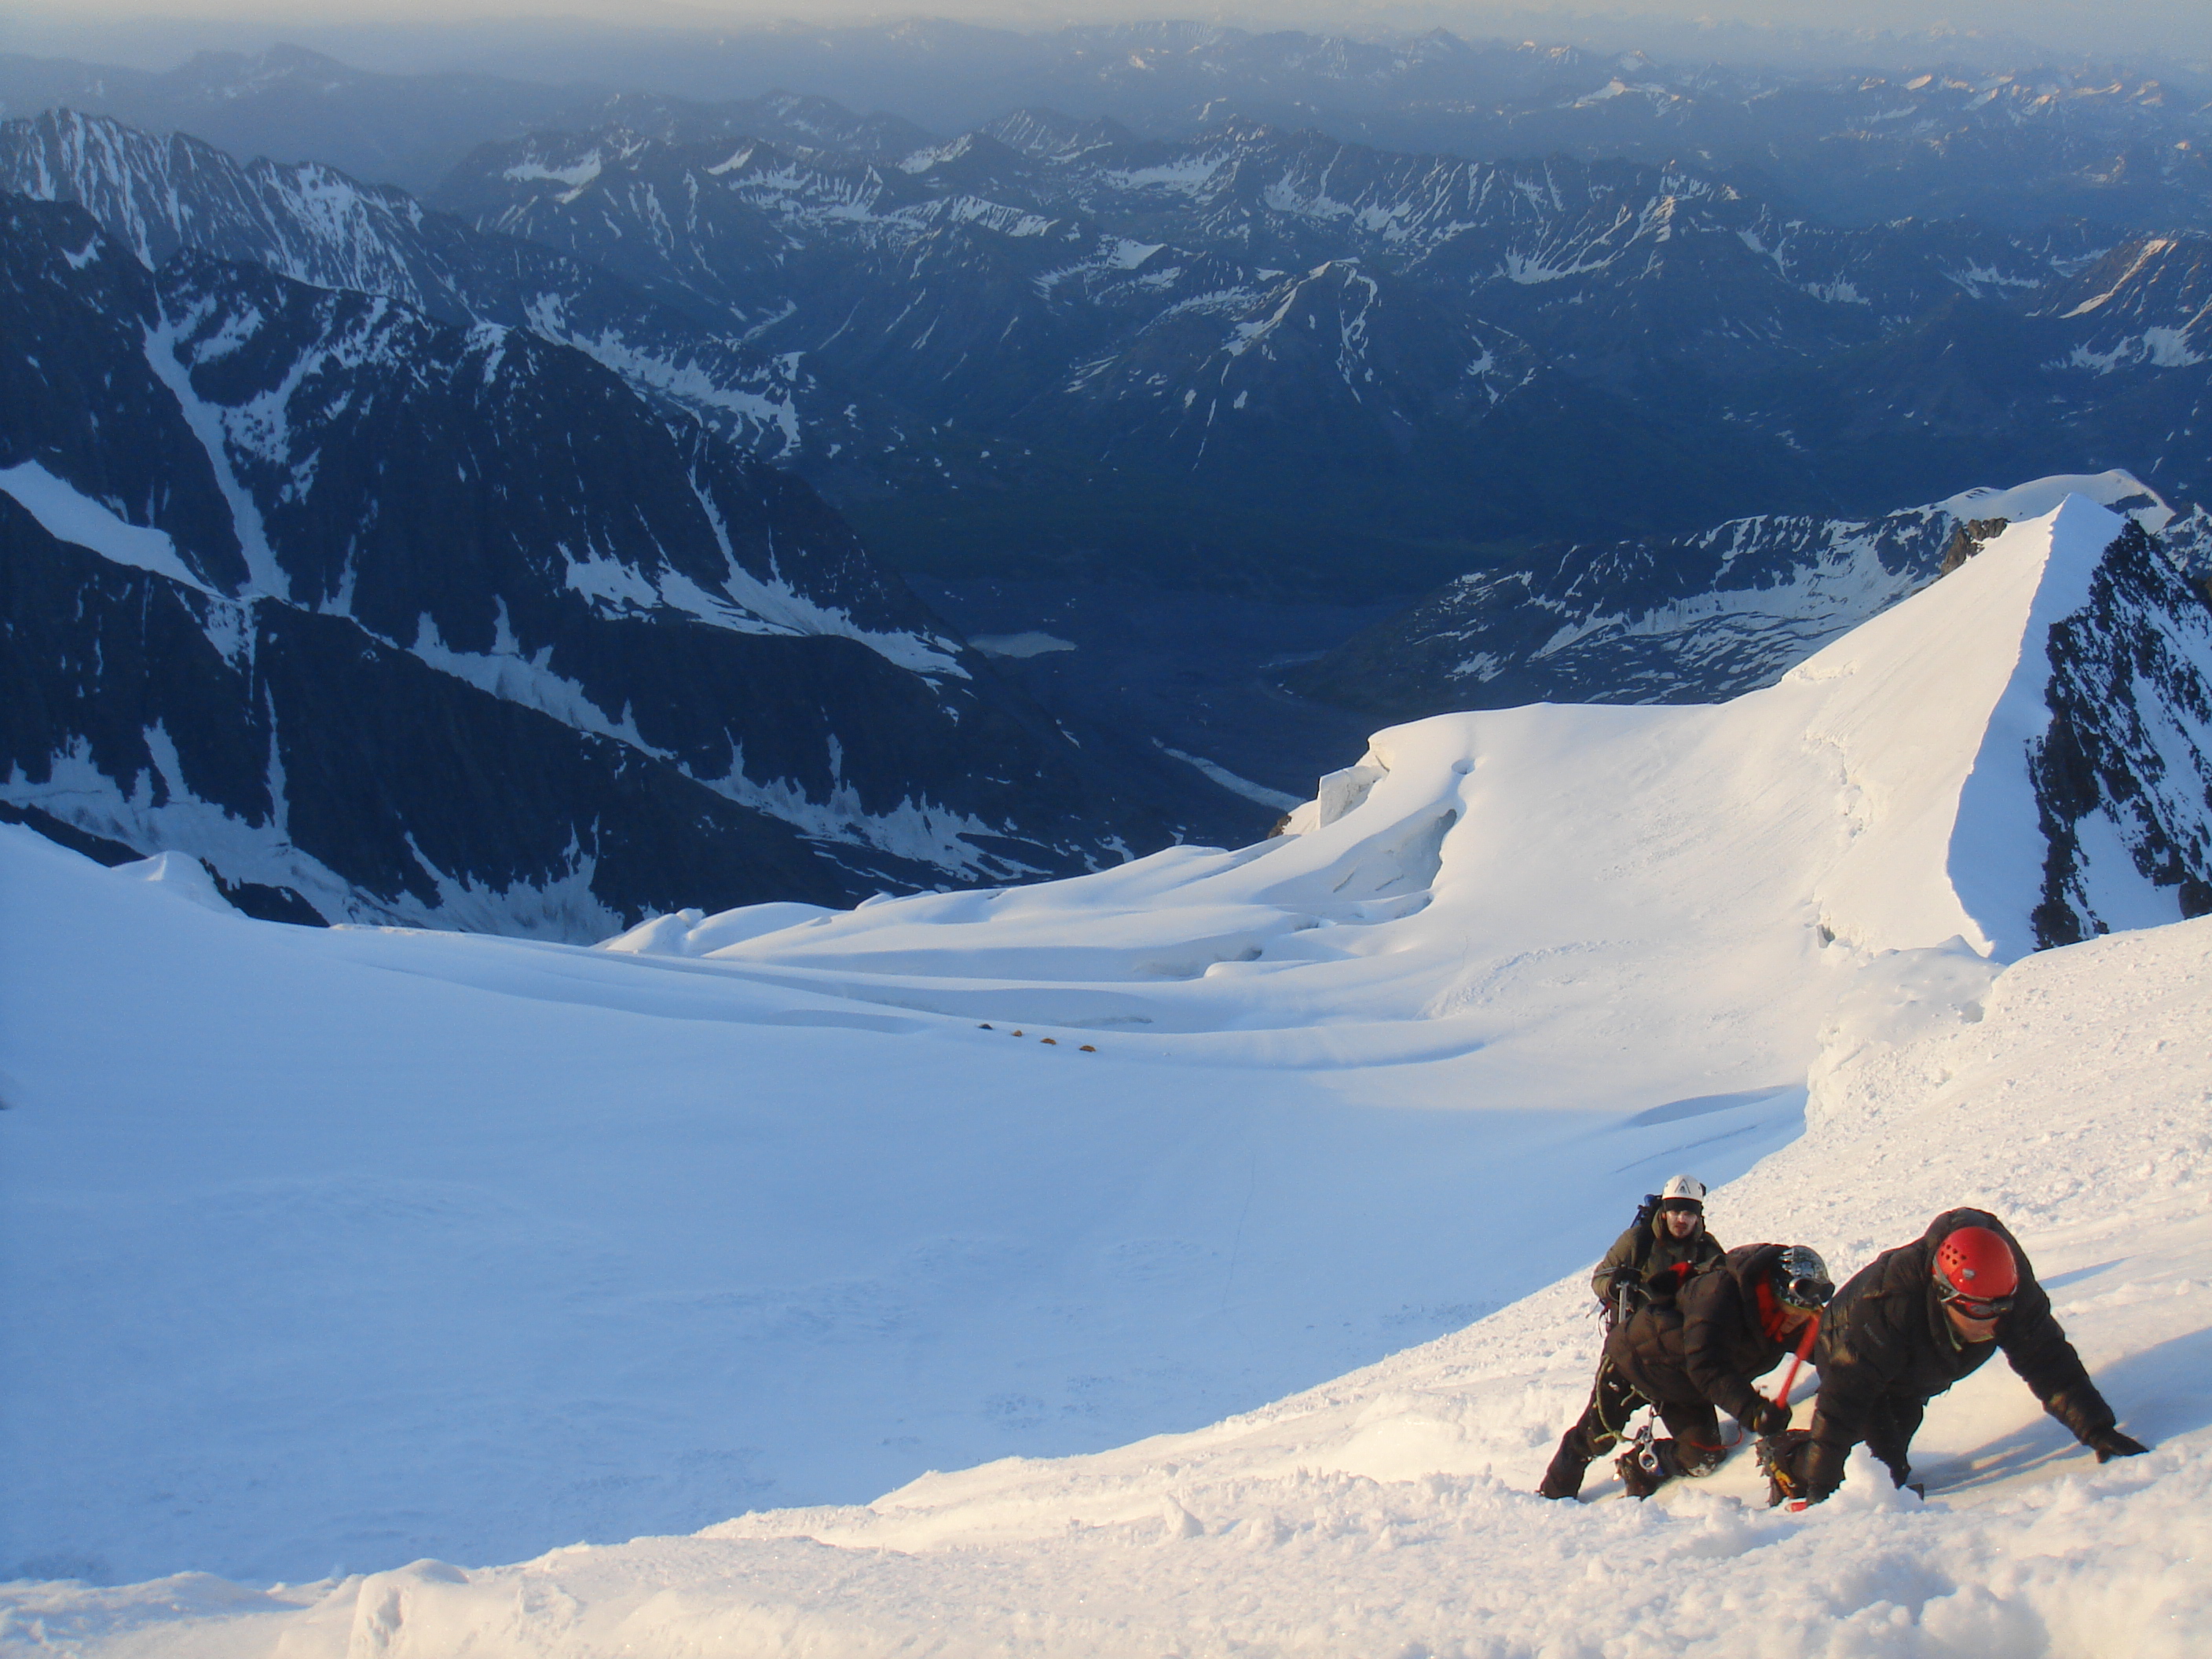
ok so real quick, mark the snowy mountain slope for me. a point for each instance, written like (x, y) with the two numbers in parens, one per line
(499, 510)
(325, 774)
(1695, 618)
(359, 1246)
(1391, 1509)
(2147, 301)
(315, 225)
(2060, 676)
(788, 1207)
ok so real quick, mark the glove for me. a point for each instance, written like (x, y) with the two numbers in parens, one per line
(1768, 1418)
(2109, 1443)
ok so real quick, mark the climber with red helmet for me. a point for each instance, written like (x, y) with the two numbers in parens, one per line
(1914, 1321)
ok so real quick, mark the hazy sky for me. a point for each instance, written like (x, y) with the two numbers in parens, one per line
(2122, 25)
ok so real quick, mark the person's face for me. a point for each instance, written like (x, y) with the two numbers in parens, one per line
(1795, 1319)
(1974, 1330)
(1679, 1223)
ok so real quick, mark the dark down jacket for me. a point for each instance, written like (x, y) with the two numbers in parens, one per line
(1886, 1335)
(1711, 1343)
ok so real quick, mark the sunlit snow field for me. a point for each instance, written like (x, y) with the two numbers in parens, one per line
(326, 1252)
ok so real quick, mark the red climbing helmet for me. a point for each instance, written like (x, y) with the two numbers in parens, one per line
(1976, 1274)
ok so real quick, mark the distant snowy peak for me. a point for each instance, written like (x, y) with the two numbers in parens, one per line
(1690, 619)
(159, 193)
(1046, 135)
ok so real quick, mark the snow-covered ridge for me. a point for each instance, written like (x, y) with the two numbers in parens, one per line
(1695, 618)
(1476, 847)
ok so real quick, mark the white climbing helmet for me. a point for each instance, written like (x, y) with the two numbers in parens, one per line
(1689, 1188)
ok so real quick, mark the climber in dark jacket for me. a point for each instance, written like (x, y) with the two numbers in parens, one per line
(1668, 1232)
(1694, 1352)
(1917, 1319)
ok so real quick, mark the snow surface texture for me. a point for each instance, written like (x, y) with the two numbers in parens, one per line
(333, 1250)
(1390, 1511)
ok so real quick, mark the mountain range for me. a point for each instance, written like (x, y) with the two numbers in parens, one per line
(1254, 359)
(1262, 356)
(1258, 361)
(2018, 137)
(411, 621)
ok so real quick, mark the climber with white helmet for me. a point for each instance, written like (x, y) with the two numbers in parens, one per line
(1668, 1232)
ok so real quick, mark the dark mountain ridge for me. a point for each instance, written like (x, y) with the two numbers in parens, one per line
(314, 224)
(446, 625)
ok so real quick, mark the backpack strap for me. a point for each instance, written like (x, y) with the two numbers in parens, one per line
(1644, 1211)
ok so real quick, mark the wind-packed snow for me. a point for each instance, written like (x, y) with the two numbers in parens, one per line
(329, 1251)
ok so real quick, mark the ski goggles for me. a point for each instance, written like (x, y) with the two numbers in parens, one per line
(1806, 1291)
(1979, 1309)
(1802, 1279)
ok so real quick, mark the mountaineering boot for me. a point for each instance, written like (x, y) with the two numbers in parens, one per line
(1697, 1458)
(1782, 1460)
(1647, 1466)
(1565, 1477)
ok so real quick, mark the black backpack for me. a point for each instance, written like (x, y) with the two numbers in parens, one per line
(1628, 1290)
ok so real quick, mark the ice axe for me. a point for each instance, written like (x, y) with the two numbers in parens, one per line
(1790, 1378)
(1797, 1361)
